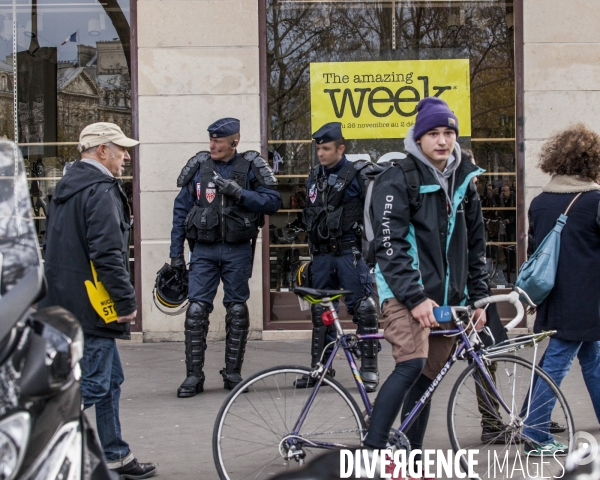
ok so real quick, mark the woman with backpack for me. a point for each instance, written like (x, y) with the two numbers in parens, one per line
(572, 308)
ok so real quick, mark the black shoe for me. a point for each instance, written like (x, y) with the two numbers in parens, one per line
(370, 381)
(190, 387)
(305, 382)
(308, 382)
(231, 380)
(498, 435)
(556, 427)
(135, 470)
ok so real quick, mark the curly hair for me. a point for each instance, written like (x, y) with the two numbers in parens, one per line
(574, 151)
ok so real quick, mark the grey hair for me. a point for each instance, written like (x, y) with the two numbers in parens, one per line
(94, 149)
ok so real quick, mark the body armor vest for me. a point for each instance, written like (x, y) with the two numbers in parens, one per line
(324, 215)
(216, 217)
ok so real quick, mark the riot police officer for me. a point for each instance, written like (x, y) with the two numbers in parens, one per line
(219, 210)
(333, 216)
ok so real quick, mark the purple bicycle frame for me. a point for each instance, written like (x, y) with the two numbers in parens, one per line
(463, 345)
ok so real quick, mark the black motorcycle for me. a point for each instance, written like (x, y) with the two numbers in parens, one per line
(44, 434)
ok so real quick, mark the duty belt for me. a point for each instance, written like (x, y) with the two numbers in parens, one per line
(334, 246)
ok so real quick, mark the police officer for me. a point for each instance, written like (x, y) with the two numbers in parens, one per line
(224, 196)
(333, 216)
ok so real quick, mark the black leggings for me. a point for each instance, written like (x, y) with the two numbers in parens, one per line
(416, 432)
(389, 400)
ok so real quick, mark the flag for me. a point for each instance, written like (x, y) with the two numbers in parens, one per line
(74, 37)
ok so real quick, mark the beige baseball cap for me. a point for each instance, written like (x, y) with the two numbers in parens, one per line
(103, 132)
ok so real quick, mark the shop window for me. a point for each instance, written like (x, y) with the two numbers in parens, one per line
(303, 34)
(72, 62)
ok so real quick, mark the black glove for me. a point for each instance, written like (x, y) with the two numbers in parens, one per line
(178, 263)
(228, 187)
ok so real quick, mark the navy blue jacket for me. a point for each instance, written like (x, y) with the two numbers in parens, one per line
(353, 190)
(573, 306)
(255, 198)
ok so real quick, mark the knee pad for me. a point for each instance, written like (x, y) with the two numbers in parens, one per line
(238, 315)
(366, 313)
(196, 317)
(316, 312)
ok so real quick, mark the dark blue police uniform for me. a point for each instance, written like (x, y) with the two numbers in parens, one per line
(346, 270)
(333, 216)
(219, 210)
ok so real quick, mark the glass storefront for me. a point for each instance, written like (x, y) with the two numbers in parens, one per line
(358, 36)
(63, 65)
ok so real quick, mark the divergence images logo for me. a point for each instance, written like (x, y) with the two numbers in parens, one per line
(501, 464)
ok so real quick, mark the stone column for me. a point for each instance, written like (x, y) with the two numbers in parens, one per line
(198, 61)
(562, 76)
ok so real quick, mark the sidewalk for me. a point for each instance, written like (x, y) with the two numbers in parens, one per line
(176, 433)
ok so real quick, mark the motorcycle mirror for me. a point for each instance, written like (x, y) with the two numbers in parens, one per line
(55, 349)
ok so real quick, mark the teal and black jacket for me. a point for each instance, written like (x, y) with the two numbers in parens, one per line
(435, 252)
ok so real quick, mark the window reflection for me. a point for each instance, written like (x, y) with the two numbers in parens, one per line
(301, 32)
(72, 63)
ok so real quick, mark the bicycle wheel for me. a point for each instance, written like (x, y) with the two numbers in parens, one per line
(251, 433)
(501, 437)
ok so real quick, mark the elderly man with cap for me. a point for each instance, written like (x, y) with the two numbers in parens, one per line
(219, 210)
(87, 241)
(333, 216)
(429, 252)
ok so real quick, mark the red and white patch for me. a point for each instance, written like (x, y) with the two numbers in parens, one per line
(312, 193)
(211, 192)
(198, 191)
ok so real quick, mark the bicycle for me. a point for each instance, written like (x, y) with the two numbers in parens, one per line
(267, 425)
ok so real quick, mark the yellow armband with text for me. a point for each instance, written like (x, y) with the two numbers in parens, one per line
(100, 299)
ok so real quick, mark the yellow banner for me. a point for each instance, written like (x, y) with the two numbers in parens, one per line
(379, 99)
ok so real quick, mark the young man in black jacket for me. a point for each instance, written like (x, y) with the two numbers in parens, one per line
(87, 241)
(427, 255)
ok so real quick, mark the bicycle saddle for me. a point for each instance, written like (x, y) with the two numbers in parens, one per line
(318, 294)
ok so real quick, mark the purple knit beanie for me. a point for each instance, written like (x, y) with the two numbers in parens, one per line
(433, 112)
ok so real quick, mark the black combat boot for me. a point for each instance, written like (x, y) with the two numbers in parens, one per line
(237, 322)
(320, 335)
(365, 313)
(196, 327)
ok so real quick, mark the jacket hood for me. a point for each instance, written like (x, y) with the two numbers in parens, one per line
(444, 177)
(79, 177)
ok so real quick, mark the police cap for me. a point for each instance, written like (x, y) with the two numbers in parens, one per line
(224, 127)
(329, 132)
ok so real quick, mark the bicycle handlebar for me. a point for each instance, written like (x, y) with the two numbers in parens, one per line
(512, 297)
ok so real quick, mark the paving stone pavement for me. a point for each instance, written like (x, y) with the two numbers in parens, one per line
(176, 434)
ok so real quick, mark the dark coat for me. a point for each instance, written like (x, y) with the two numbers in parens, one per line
(573, 306)
(89, 219)
(415, 258)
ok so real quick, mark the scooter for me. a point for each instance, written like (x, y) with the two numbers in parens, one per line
(44, 434)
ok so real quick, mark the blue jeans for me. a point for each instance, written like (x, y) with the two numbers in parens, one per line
(101, 386)
(556, 362)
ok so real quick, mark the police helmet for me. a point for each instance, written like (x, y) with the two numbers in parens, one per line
(171, 290)
(303, 275)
